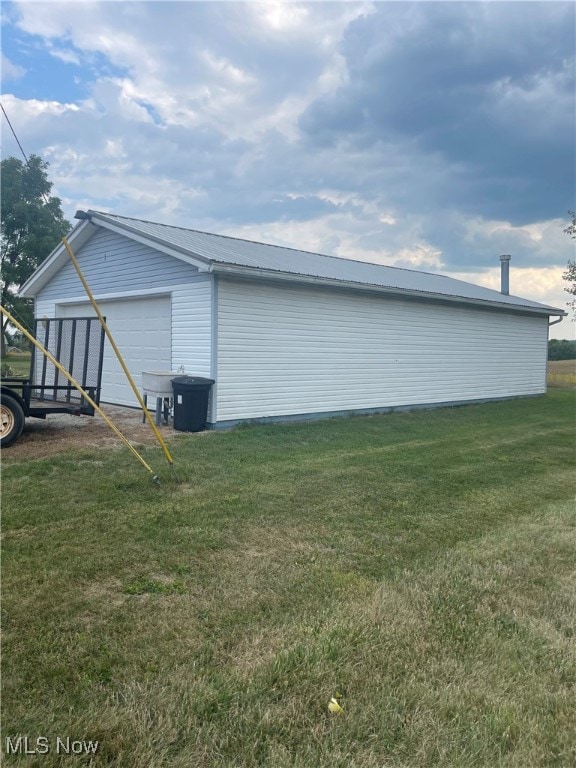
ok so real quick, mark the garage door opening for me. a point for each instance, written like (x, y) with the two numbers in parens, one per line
(142, 329)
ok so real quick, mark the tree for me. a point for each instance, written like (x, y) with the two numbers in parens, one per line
(32, 224)
(561, 349)
(570, 274)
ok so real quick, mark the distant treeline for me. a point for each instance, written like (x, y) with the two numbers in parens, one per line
(561, 349)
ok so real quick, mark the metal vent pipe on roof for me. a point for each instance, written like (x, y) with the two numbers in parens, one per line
(505, 274)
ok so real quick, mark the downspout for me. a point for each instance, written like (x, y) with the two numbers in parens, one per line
(214, 350)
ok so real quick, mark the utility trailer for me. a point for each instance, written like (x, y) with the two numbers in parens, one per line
(78, 345)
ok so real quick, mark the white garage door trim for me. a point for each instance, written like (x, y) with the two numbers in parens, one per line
(142, 330)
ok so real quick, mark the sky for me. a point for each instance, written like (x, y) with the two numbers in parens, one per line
(431, 135)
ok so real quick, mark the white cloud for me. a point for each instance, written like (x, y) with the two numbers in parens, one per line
(31, 109)
(65, 54)
(11, 71)
(282, 16)
(200, 114)
(198, 63)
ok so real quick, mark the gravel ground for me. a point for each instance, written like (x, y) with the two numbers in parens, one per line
(61, 432)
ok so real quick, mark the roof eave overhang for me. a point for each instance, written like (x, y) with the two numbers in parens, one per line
(267, 274)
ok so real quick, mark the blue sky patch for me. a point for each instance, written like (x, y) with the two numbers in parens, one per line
(416, 133)
(51, 70)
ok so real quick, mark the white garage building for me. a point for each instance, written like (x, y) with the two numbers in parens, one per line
(286, 333)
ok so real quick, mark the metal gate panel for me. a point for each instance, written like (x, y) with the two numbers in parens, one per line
(78, 345)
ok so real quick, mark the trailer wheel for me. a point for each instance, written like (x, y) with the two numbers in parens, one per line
(11, 420)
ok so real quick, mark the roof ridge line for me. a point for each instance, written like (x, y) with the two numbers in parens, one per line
(272, 245)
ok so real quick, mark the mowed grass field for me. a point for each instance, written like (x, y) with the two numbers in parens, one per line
(18, 363)
(420, 566)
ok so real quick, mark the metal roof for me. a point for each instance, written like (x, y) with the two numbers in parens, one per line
(220, 249)
(220, 252)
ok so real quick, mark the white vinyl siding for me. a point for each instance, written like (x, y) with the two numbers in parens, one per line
(158, 308)
(278, 349)
(154, 333)
(44, 309)
(286, 350)
(112, 263)
(192, 327)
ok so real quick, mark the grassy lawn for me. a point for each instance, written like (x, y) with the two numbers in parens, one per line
(421, 565)
(17, 364)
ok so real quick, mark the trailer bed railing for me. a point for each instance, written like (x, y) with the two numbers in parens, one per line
(78, 345)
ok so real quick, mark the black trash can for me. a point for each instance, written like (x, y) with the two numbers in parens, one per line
(191, 403)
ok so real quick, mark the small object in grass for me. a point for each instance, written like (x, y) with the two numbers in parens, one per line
(334, 706)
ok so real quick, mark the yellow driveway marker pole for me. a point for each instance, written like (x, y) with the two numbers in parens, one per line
(119, 355)
(84, 394)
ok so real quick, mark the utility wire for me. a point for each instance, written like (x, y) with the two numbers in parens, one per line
(116, 350)
(44, 195)
(14, 133)
(17, 314)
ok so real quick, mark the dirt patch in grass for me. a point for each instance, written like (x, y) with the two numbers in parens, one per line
(61, 432)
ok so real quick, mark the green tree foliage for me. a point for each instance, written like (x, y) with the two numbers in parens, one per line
(32, 225)
(570, 274)
(561, 349)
